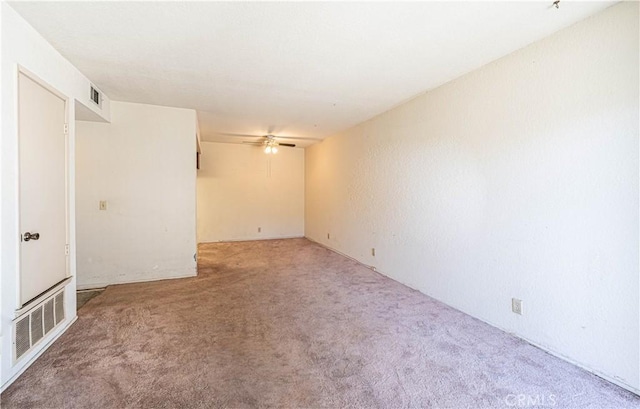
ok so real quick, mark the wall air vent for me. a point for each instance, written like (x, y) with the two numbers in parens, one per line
(96, 96)
(23, 337)
(49, 319)
(34, 325)
(59, 308)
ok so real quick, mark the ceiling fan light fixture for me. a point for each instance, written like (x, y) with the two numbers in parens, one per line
(271, 146)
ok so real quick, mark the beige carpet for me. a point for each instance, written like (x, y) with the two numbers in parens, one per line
(287, 323)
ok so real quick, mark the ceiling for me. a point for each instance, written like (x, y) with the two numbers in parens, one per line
(291, 68)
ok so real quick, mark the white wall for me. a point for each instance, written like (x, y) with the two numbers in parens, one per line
(143, 165)
(517, 180)
(240, 188)
(23, 46)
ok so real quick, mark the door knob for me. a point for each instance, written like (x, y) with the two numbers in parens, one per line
(31, 236)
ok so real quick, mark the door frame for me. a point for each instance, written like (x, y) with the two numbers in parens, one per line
(24, 71)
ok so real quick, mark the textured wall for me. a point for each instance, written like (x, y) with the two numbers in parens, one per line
(143, 165)
(241, 189)
(517, 180)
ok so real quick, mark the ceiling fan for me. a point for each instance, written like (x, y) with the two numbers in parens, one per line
(269, 141)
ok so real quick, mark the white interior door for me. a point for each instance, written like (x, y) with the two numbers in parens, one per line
(43, 188)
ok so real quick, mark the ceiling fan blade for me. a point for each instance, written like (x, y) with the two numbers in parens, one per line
(253, 143)
(240, 134)
(275, 136)
(297, 137)
(291, 145)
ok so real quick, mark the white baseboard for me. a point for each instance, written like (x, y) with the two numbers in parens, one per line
(348, 256)
(252, 239)
(559, 355)
(91, 286)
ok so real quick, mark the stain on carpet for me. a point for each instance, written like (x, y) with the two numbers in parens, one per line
(83, 296)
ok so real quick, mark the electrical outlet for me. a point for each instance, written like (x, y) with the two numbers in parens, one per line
(259, 229)
(516, 306)
(373, 252)
(103, 205)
